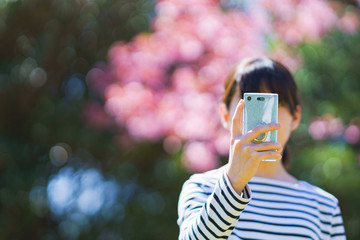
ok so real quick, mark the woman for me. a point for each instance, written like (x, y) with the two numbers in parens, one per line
(249, 198)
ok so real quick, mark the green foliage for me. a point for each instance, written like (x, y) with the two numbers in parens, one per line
(330, 76)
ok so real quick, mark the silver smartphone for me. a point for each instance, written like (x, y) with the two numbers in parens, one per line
(261, 109)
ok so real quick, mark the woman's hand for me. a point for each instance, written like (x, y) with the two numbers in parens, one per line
(245, 156)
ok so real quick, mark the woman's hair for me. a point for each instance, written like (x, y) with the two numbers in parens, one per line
(259, 75)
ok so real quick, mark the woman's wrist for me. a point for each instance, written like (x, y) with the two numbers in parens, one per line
(237, 184)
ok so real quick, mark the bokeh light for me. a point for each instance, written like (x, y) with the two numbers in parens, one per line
(37, 77)
(83, 191)
(59, 154)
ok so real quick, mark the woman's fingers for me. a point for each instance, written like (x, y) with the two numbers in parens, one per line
(237, 120)
(266, 155)
(249, 150)
(261, 129)
(267, 146)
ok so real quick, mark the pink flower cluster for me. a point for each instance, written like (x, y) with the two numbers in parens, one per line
(167, 84)
(331, 127)
(298, 21)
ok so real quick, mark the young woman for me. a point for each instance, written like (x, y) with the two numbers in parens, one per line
(249, 198)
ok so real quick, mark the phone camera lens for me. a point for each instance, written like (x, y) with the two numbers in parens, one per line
(249, 98)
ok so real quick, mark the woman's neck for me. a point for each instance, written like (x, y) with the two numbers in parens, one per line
(274, 170)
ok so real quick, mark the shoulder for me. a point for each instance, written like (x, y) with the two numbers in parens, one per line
(319, 193)
(209, 175)
(198, 188)
(203, 181)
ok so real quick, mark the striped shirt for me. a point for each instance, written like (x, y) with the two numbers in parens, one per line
(209, 208)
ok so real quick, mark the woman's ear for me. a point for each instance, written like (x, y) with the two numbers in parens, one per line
(296, 118)
(224, 115)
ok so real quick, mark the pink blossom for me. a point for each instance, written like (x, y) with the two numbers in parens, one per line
(335, 127)
(349, 23)
(194, 126)
(318, 129)
(167, 8)
(124, 102)
(184, 79)
(284, 9)
(199, 119)
(222, 141)
(212, 73)
(199, 157)
(291, 61)
(315, 18)
(169, 111)
(303, 21)
(191, 49)
(172, 144)
(352, 134)
(98, 79)
(208, 26)
(144, 126)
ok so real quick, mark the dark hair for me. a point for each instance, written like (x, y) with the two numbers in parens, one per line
(257, 74)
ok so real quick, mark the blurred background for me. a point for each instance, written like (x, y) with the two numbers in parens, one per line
(108, 106)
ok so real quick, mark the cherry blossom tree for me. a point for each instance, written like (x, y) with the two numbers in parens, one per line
(165, 85)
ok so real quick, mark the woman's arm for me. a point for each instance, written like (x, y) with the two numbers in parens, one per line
(209, 212)
(245, 156)
(337, 226)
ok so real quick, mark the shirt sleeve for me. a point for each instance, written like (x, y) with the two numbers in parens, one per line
(337, 231)
(207, 212)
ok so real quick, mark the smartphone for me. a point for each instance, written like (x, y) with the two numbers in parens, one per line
(261, 109)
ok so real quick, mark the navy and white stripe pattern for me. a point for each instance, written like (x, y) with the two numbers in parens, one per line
(209, 208)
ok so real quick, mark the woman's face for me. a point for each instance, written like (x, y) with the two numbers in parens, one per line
(286, 120)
